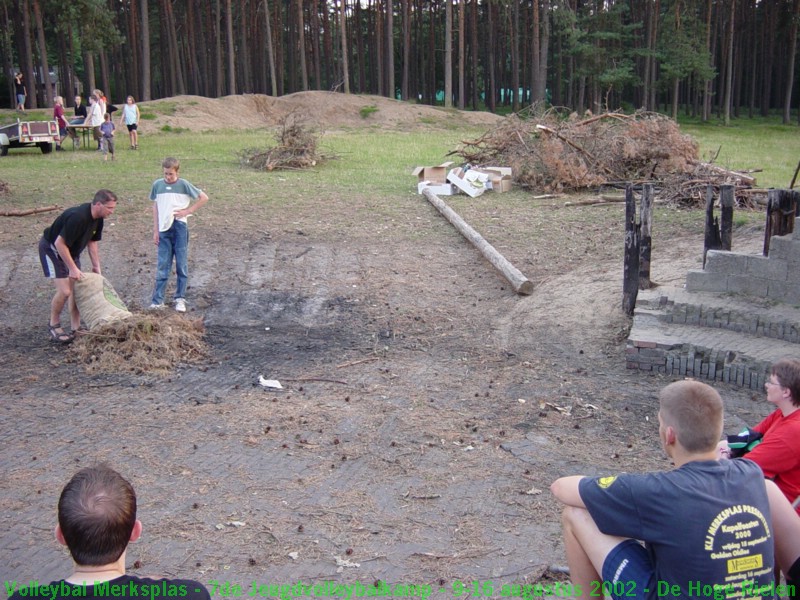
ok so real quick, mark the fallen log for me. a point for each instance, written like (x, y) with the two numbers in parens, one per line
(521, 284)
(29, 211)
(596, 201)
(744, 179)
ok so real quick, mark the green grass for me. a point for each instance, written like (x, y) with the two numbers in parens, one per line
(751, 144)
(372, 165)
(366, 111)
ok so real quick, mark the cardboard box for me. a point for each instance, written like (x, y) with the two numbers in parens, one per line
(471, 182)
(502, 184)
(437, 174)
(499, 178)
(440, 189)
(499, 170)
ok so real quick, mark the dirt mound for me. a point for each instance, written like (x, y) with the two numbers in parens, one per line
(326, 110)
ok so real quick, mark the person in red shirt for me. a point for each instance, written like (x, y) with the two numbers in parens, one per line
(58, 116)
(778, 454)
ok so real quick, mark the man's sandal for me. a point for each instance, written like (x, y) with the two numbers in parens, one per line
(63, 337)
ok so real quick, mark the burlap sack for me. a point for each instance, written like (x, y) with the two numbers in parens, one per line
(97, 301)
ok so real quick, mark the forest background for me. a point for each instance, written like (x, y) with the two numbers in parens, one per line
(722, 58)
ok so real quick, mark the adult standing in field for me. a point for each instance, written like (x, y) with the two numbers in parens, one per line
(130, 116)
(60, 248)
(20, 91)
(94, 119)
(96, 522)
(172, 203)
(706, 520)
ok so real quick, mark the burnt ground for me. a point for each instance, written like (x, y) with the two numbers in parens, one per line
(426, 407)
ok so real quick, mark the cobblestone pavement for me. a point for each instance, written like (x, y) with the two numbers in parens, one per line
(414, 442)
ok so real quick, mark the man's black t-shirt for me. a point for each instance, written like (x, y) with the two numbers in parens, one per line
(77, 228)
(126, 587)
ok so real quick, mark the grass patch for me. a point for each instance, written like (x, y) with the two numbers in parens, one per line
(763, 144)
(372, 173)
(171, 129)
(166, 108)
(147, 116)
(366, 111)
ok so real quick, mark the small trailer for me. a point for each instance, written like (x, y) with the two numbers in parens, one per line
(28, 133)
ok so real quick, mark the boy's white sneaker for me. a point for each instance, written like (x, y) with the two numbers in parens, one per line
(180, 305)
(155, 306)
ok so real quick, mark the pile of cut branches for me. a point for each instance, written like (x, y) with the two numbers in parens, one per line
(297, 148)
(551, 153)
(149, 342)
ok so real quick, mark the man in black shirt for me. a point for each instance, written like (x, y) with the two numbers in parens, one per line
(96, 521)
(73, 230)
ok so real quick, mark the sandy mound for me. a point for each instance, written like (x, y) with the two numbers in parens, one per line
(326, 110)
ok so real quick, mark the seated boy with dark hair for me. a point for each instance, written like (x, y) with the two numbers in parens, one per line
(96, 521)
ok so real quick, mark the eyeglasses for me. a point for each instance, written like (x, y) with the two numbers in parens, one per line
(773, 383)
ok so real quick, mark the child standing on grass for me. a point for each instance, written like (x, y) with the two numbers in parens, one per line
(172, 203)
(130, 116)
(107, 131)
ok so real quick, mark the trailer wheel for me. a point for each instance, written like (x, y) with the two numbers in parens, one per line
(45, 147)
(3, 150)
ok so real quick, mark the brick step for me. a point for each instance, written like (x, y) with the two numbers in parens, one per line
(761, 318)
(720, 338)
(739, 358)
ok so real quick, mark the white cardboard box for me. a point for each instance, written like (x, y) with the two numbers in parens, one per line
(440, 189)
(472, 183)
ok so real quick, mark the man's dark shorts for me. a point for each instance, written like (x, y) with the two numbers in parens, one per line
(52, 265)
(627, 573)
(132, 127)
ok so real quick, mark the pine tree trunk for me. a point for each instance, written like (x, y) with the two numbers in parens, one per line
(391, 88)
(270, 52)
(28, 73)
(145, 50)
(729, 65)
(45, 65)
(301, 44)
(791, 51)
(231, 48)
(448, 53)
(404, 92)
(343, 29)
(462, 53)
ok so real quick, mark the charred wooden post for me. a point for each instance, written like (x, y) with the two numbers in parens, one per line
(521, 284)
(630, 283)
(713, 240)
(726, 202)
(782, 206)
(645, 237)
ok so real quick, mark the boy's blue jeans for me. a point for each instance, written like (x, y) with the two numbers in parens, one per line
(173, 243)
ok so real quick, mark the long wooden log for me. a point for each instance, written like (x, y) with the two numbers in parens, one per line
(30, 211)
(744, 179)
(520, 283)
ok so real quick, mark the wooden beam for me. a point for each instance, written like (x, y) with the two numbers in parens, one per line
(29, 211)
(630, 281)
(521, 284)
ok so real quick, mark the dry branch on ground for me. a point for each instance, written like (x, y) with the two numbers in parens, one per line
(554, 154)
(143, 343)
(297, 148)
